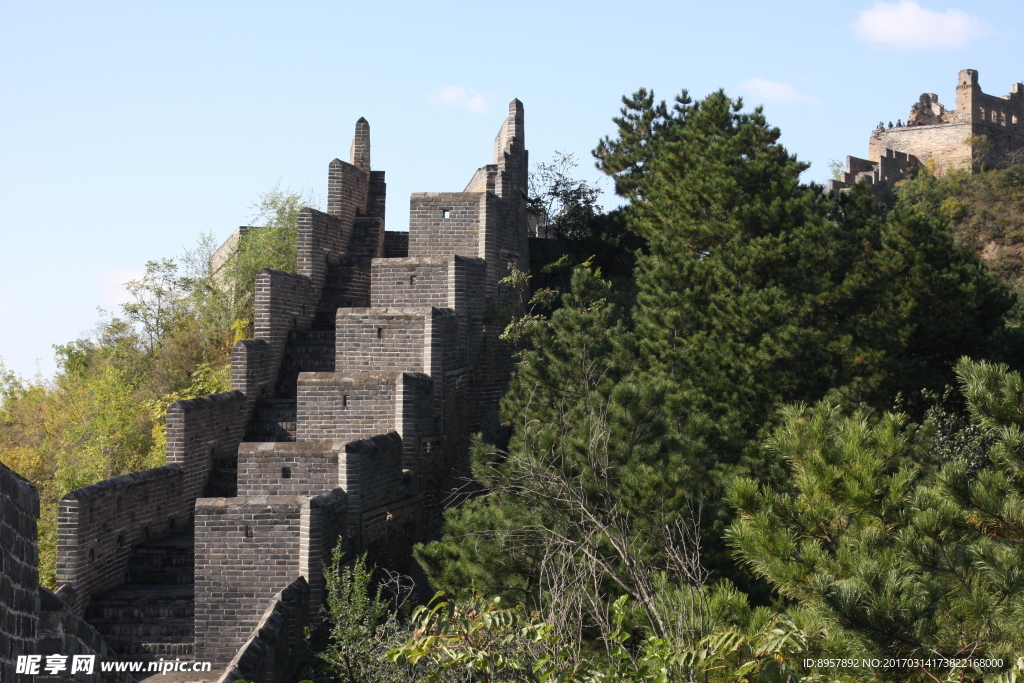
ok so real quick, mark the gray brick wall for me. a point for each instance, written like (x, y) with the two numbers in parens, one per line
(275, 651)
(250, 368)
(247, 549)
(386, 340)
(99, 524)
(19, 572)
(287, 469)
(371, 475)
(333, 407)
(396, 244)
(62, 631)
(284, 302)
(442, 224)
(410, 282)
(416, 374)
(200, 430)
(324, 523)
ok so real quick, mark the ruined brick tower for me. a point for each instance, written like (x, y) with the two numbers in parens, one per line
(981, 127)
(349, 418)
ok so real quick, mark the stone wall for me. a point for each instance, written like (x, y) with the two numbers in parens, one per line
(371, 475)
(442, 224)
(283, 302)
(396, 244)
(247, 549)
(945, 143)
(100, 524)
(62, 631)
(322, 526)
(300, 468)
(410, 282)
(274, 652)
(415, 318)
(388, 340)
(199, 431)
(335, 407)
(251, 368)
(19, 572)
(250, 547)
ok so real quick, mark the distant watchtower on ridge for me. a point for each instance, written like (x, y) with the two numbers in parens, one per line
(981, 129)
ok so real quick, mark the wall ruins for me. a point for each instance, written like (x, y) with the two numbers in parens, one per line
(981, 130)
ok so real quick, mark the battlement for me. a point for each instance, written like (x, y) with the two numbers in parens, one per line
(981, 129)
(349, 421)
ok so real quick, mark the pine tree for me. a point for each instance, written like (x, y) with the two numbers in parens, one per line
(902, 548)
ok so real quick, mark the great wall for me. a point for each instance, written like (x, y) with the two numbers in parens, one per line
(980, 129)
(349, 417)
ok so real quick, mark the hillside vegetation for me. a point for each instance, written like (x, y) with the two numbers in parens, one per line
(986, 210)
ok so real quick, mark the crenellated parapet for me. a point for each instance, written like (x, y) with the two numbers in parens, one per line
(981, 130)
(349, 422)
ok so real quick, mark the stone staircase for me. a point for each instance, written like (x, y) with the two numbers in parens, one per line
(274, 417)
(347, 286)
(151, 614)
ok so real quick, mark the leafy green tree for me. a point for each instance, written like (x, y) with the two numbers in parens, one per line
(491, 643)
(364, 625)
(102, 414)
(986, 210)
(272, 244)
(629, 421)
(593, 499)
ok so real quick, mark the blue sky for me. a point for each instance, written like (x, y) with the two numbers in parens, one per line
(127, 129)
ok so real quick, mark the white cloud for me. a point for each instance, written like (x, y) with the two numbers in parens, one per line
(111, 285)
(458, 96)
(906, 25)
(765, 91)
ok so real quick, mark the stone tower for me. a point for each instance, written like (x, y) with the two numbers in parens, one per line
(981, 127)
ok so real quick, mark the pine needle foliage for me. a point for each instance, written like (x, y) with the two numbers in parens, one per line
(902, 554)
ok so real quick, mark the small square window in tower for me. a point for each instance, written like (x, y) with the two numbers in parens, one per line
(446, 213)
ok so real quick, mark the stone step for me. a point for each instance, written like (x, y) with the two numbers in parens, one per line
(182, 544)
(153, 576)
(271, 431)
(152, 613)
(160, 596)
(310, 337)
(224, 475)
(221, 490)
(128, 613)
(291, 365)
(167, 629)
(276, 401)
(223, 481)
(286, 389)
(277, 413)
(305, 350)
(177, 561)
(143, 651)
